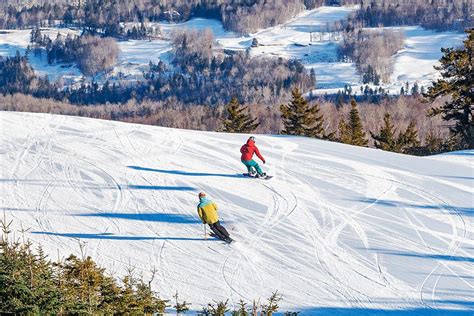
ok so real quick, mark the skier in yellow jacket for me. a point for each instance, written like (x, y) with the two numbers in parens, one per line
(207, 211)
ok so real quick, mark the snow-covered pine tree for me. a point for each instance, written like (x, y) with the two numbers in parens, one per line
(238, 120)
(36, 37)
(299, 118)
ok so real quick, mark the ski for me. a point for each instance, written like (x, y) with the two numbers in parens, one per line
(215, 236)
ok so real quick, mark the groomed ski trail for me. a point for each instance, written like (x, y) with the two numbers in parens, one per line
(338, 227)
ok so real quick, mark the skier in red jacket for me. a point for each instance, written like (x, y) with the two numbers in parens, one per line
(247, 151)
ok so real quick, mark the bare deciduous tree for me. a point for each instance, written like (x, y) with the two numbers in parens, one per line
(97, 54)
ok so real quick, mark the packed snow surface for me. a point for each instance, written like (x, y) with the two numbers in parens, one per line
(338, 229)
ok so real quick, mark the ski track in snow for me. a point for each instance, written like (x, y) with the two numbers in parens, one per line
(338, 226)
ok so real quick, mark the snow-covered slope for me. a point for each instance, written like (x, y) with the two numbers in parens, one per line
(338, 229)
(414, 63)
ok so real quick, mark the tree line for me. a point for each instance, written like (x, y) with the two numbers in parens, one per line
(31, 283)
(92, 54)
(300, 118)
(105, 16)
(439, 15)
(199, 76)
(371, 51)
(171, 113)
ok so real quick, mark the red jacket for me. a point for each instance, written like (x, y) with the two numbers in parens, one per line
(249, 149)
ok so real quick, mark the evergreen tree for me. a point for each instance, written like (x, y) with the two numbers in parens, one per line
(35, 36)
(27, 283)
(237, 120)
(385, 139)
(312, 77)
(181, 307)
(457, 81)
(415, 90)
(220, 309)
(408, 140)
(46, 294)
(31, 284)
(433, 142)
(272, 304)
(370, 75)
(404, 143)
(352, 132)
(343, 132)
(242, 309)
(83, 292)
(339, 99)
(299, 118)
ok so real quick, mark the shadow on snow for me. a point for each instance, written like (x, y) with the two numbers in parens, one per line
(458, 177)
(185, 173)
(422, 255)
(391, 203)
(111, 236)
(90, 186)
(463, 308)
(148, 217)
(160, 188)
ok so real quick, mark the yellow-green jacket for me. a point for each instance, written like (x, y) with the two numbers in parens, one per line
(207, 211)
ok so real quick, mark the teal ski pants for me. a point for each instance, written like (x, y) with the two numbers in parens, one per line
(252, 164)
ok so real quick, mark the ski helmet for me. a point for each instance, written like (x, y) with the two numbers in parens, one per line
(202, 194)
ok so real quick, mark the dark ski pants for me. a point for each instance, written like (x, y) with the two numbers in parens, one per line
(219, 230)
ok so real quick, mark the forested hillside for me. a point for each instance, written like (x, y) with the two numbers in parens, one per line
(432, 14)
(238, 16)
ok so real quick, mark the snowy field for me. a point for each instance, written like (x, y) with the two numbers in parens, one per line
(339, 229)
(291, 40)
(12, 41)
(414, 63)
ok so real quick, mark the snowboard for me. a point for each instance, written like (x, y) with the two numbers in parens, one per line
(217, 237)
(267, 177)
